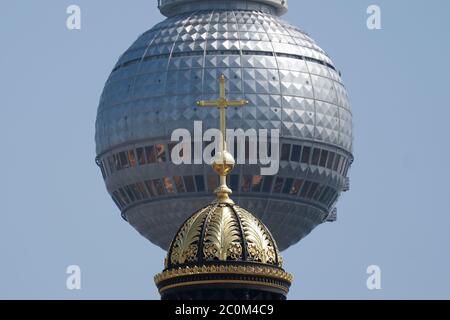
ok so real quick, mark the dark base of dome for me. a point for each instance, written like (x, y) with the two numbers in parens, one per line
(222, 294)
(225, 283)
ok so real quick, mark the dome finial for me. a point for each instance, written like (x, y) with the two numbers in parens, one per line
(223, 162)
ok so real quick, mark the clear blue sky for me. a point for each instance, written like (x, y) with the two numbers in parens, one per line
(55, 211)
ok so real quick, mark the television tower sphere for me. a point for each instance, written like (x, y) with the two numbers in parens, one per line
(291, 85)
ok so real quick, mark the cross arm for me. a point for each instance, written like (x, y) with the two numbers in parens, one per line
(208, 103)
(237, 103)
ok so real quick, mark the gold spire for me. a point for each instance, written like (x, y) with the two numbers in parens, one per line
(223, 163)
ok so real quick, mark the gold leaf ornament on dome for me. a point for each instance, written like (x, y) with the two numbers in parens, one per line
(185, 246)
(259, 245)
(222, 237)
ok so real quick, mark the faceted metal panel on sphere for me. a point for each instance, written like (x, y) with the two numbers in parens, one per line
(291, 85)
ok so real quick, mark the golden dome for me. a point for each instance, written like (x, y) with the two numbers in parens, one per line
(223, 232)
(220, 240)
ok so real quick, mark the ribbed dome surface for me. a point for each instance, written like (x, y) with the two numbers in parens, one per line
(222, 233)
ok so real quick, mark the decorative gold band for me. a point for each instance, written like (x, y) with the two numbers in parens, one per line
(229, 269)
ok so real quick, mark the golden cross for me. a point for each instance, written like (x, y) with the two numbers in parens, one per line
(223, 162)
(222, 104)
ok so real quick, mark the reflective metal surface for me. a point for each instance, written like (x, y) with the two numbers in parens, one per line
(291, 85)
